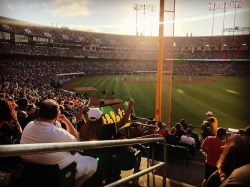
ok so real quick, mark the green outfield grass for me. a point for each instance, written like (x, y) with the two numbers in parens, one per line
(227, 97)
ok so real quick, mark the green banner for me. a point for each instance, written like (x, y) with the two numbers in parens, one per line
(113, 113)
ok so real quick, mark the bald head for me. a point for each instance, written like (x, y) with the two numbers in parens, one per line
(48, 110)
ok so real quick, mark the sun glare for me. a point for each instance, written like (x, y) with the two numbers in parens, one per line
(142, 24)
(180, 91)
(233, 92)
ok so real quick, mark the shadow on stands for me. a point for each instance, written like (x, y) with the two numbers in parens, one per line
(111, 164)
(28, 174)
(181, 152)
(184, 164)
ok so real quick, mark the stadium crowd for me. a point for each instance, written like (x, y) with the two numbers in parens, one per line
(35, 80)
(23, 38)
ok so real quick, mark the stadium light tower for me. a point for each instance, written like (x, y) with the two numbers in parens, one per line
(224, 12)
(224, 5)
(211, 6)
(237, 4)
(144, 8)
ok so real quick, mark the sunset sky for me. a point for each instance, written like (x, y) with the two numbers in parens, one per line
(119, 16)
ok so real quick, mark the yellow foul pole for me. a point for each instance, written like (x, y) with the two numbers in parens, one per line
(159, 64)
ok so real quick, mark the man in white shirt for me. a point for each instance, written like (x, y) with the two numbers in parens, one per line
(187, 139)
(47, 130)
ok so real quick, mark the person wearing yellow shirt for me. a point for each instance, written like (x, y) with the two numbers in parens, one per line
(214, 124)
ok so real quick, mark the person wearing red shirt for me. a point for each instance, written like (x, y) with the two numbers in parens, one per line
(213, 146)
(160, 130)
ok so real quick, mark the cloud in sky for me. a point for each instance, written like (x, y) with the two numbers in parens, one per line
(67, 8)
(6, 5)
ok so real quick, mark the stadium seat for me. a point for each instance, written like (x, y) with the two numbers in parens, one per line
(107, 169)
(181, 153)
(170, 148)
(158, 151)
(111, 164)
(192, 150)
(41, 175)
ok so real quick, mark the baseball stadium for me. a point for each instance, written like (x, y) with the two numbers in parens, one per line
(171, 79)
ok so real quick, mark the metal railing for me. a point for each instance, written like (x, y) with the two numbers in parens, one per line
(21, 149)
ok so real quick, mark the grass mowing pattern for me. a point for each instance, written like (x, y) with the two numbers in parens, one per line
(228, 97)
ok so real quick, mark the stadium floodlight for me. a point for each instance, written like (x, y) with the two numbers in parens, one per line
(237, 29)
(144, 7)
(224, 5)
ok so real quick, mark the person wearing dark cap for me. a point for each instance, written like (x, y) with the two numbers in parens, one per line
(184, 124)
(213, 146)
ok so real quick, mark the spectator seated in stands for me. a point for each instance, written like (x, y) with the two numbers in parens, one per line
(160, 130)
(31, 113)
(149, 128)
(171, 137)
(189, 142)
(187, 139)
(10, 131)
(136, 130)
(179, 130)
(47, 129)
(21, 111)
(184, 124)
(196, 137)
(118, 158)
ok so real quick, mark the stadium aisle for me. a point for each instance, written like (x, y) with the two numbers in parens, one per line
(177, 174)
